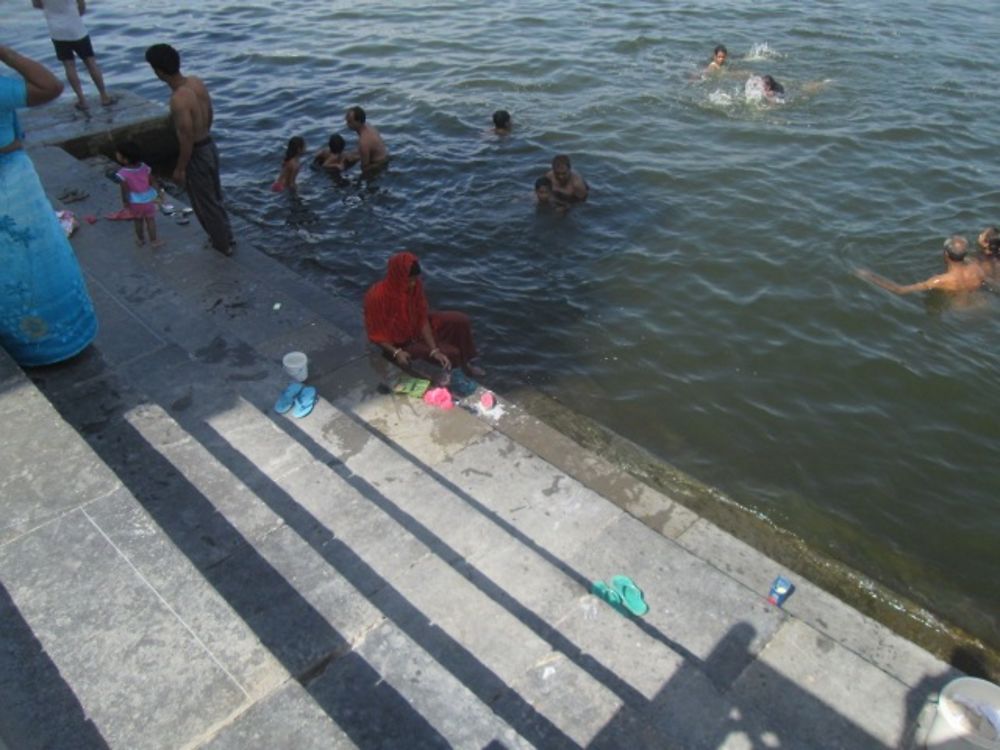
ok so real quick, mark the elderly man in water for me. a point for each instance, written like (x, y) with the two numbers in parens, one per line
(959, 276)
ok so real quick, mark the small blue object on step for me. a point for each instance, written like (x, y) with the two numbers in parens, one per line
(287, 398)
(461, 384)
(304, 402)
(781, 589)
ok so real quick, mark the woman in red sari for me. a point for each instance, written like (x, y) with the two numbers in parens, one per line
(397, 319)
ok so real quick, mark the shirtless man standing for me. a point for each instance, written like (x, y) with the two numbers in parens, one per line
(198, 160)
(958, 276)
(567, 185)
(371, 147)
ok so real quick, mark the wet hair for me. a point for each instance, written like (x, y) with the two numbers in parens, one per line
(560, 159)
(501, 119)
(771, 84)
(130, 151)
(415, 269)
(336, 143)
(720, 48)
(296, 145)
(543, 182)
(164, 58)
(993, 247)
(357, 114)
(956, 247)
(989, 234)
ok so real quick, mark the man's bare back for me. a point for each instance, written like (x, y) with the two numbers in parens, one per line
(959, 276)
(371, 147)
(191, 99)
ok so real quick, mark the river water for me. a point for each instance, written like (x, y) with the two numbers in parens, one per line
(702, 302)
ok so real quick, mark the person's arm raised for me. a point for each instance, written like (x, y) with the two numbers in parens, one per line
(41, 83)
(892, 286)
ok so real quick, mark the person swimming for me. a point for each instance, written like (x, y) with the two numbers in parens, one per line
(764, 90)
(959, 276)
(502, 124)
(719, 56)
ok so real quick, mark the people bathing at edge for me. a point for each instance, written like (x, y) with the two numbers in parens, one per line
(502, 124)
(566, 185)
(197, 167)
(70, 38)
(372, 150)
(139, 192)
(959, 276)
(399, 322)
(333, 158)
(290, 164)
(46, 315)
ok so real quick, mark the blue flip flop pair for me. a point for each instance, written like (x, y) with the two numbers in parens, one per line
(622, 594)
(298, 398)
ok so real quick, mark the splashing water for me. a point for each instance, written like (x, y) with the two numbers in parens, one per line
(762, 51)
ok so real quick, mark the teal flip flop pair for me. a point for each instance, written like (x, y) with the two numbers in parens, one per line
(299, 399)
(622, 594)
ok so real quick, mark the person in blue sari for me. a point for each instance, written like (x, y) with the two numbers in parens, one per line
(46, 315)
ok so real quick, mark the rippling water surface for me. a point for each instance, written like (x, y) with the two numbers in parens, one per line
(701, 303)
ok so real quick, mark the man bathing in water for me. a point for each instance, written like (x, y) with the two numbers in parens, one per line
(567, 185)
(959, 276)
(371, 148)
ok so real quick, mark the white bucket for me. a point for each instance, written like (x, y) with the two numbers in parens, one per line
(296, 364)
(957, 726)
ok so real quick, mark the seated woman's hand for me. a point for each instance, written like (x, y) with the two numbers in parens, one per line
(441, 358)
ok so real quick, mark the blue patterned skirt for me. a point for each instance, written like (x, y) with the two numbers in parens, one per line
(46, 315)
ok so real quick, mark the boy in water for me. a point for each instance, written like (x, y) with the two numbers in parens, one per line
(333, 157)
(502, 124)
(70, 38)
(543, 192)
(958, 276)
(719, 56)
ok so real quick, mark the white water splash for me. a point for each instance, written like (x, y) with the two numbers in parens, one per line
(762, 51)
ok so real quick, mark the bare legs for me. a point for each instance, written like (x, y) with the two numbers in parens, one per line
(150, 222)
(95, 74)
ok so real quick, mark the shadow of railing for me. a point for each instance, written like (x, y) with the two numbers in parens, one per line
(37, 708)
(372, 713)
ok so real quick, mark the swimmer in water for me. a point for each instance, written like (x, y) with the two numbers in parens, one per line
(333, 157)
(959, 276)
(543, 192)
(989, 252)
(567, 186)
(502, 124)
(764, 89)
(719, 56)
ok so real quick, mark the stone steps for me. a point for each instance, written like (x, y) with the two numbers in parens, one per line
(186, 568)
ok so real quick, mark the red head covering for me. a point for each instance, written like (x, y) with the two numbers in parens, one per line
(394, 313)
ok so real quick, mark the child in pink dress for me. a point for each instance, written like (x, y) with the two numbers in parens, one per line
(139, 192)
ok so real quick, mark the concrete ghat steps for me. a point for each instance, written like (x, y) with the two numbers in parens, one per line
(182, 567)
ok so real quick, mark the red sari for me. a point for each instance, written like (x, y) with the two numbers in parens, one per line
(395, 314)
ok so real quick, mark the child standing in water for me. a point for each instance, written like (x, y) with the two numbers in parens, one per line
(139, 192)
(333, 158)
(290, 166)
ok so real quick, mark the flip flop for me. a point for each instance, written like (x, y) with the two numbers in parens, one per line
(287, 398)
(631, 595)
(304, 402)
(602, 590)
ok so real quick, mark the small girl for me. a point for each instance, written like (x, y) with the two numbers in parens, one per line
(139, 192)
(290, 166)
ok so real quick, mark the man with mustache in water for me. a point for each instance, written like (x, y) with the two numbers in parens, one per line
(958, 276)
(567, 185)
(371, 147)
